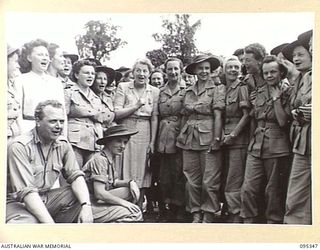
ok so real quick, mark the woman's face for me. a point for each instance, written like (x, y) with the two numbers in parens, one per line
(58, 60)
(13, 66)
(301, 59)
(157, 79)
(271, 73)
(232, 70)
(310, 46)
(100, 82)
(85, 77)
(39, 59)
(117, 145)
(189, 79)
(203, 70)
(252, 65)
(173, 71)
(141, 74)
(67, 66)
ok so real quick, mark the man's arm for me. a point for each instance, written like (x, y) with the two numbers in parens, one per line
(35, 206)
(81, 192)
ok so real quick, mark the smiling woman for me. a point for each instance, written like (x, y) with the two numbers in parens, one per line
(35, 61)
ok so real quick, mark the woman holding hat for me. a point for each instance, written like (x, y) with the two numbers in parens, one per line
(85, 111)
(13, 101)
(267, 147)
(298, 204)
(136, 106)
(104, 184)
(36, 84)
(236, 137)
(104, 77)
(200, 139)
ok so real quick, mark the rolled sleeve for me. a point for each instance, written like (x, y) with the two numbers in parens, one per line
(244, 97)
(21, 176)
(71, 168)
(219, 97)
(119, 98)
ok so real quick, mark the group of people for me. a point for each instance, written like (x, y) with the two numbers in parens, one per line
(222, 139)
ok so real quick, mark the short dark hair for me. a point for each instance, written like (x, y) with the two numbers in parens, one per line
(79, 64)
(38, 113)
(273, 58)
(26, 50)
(173, 59)
(257, 49)
(52, 49)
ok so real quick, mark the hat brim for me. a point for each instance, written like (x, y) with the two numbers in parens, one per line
(109, 72)
(104, 140)
(214, 63)
(11, 50)
(276, 50)
(287, 51)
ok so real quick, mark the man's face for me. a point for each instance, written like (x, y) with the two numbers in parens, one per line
(50, 127)
(252, 64)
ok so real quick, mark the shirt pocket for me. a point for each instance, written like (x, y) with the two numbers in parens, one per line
(278, 141)
(205, 134)
(74, 130)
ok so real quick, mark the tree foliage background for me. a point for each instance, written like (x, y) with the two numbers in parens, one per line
(99, 40)
(177, 39)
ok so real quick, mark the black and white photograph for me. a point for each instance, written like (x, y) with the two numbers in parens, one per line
(153, 119)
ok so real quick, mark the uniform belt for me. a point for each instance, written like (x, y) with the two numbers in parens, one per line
(173, 118)
(200, 117)
(139, 117)
(264, 124)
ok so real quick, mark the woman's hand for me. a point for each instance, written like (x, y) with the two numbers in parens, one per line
(275, 92)
(140, 103)
(134, 190)
(228, 139)
(215, 145)
(85, 215)
(130, 206)
(151, 148)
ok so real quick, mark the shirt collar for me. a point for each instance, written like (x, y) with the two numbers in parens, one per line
(37, 140)
(148, 86)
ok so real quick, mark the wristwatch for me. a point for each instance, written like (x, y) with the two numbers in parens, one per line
(85, 203)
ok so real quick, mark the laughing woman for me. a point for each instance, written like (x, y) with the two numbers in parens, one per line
(36, 84)
(85, 112)
(298, 204)
(136, 106)
(200, 139)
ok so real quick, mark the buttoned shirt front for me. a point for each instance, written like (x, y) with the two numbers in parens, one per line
(269, 139)
(126, 96)
(237, 98)
(107, 102)
(31, 171)
(300, 132)
(14, 113)
(199, 106)
(170, 106)
(83, 129)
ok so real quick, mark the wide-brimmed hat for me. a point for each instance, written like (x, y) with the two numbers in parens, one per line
(73, 57)
(11, 50)
(109, 72)
(276, 50)
(116, 131)
(303, 40)
(213, 60)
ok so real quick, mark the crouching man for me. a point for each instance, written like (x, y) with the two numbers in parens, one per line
(104, 184)
(35, 162)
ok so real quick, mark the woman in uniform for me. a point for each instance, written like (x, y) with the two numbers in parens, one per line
(269, 144)
(298, 204)
(200, 139)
